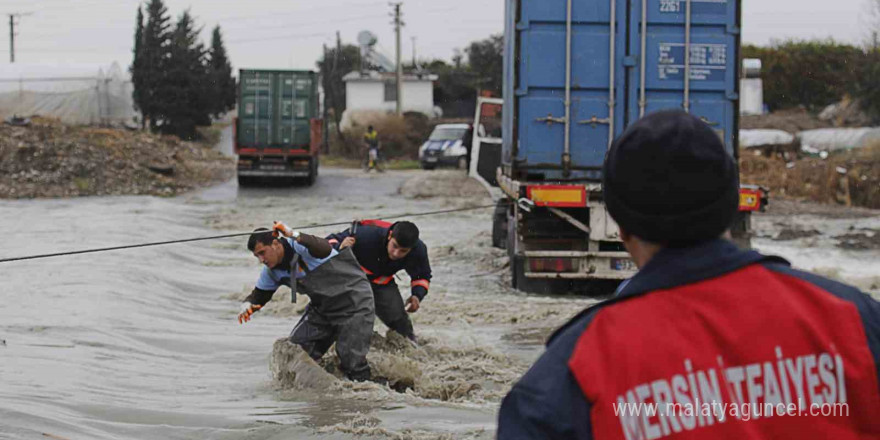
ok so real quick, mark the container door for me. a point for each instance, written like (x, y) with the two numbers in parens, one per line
(540, 94)
(256, 109)
(710, 29)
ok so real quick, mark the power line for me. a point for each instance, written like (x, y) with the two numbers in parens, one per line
(238, 234)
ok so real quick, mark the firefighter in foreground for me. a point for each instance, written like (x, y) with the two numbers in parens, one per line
(341, 302)
(383, 249)
(720, 342)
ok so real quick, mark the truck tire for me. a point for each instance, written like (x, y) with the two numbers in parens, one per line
(540, 286)
(741, 231)
(499, 225)
(313, 173)
(428, 167)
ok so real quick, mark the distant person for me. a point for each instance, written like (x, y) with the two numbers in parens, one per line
(341, 307)
(383, 249)
(706, 340)
(371, 142)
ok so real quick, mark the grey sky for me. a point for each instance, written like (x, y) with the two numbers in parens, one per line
(290, 34)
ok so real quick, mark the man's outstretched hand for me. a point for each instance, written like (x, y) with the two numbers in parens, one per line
(412, 304)
(247, 309)
(347, 242)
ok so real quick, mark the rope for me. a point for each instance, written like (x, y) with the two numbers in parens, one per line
(240, 234)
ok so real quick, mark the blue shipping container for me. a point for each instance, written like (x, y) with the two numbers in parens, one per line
(616, 60)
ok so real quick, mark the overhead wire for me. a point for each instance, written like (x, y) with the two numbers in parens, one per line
(237, 234)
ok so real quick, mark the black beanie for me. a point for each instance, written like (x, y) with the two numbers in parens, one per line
(668, 179)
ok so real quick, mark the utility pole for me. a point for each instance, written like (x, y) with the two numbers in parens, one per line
(398, 23)
(12, 18)
(414, 52)
(325, 126)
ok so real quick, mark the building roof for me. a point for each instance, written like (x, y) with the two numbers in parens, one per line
(373, 76)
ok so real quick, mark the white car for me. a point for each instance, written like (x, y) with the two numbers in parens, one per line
(447, 146)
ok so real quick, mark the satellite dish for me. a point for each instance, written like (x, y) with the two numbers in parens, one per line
(366, 38)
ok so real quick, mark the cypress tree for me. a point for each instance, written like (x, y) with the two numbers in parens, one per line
(222, 81)
(137, 66)
(154, 54)
(187, 103)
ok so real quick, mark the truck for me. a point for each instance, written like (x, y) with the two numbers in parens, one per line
(277, 132)
(576, 73)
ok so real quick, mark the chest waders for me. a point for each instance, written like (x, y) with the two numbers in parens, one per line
(341, 310)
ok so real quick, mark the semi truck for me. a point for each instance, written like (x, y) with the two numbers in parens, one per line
(576, 73)
(277, 133)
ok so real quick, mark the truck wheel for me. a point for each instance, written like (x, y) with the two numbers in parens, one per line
(245, 181)
(499, 225)
(426, 166)
(740, 230)
(540, 286)
(313, 174)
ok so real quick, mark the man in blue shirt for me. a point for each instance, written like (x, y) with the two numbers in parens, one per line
(341, 308)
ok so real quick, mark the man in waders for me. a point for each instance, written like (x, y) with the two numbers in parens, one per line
(341, 308)
(383, 249)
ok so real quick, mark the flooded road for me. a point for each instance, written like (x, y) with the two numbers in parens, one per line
(143, 343)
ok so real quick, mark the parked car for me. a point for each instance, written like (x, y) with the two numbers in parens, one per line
(448, 145)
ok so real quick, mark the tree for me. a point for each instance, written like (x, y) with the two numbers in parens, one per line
(137, 66)
(222, 81)
(189, 98)
(336, 63)
(153, 62)
(486, 62)
(454, 90)
(812, 74)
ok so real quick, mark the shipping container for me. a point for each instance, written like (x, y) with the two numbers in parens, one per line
(576, 73)
(277, 112)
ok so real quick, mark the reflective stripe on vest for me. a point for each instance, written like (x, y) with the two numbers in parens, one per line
(383, 280)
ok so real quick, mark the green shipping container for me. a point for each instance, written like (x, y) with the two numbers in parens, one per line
(274, 108)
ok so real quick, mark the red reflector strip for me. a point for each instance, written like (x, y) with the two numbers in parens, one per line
(563, 196)
(273, 151)
(383, 280)
(423, 283)
(749, 199)
(247, 150)
(379, 223)
(552, 265)
(298, 152)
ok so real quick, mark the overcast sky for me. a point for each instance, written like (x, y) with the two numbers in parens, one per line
(290, 33)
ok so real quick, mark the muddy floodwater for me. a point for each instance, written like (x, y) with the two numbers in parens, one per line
(143, 343)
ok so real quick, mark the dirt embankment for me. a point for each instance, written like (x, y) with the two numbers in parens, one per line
(849, 178)
(791, 120)
(49, 159)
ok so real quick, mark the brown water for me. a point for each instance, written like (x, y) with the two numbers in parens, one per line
(144, 344)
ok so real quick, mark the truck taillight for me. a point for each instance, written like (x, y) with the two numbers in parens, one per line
(749, 199)
(552, 265)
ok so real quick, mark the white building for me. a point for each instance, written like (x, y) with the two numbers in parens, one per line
(371, 92)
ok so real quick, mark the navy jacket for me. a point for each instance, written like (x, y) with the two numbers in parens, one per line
(708, 342)
(371, 250)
